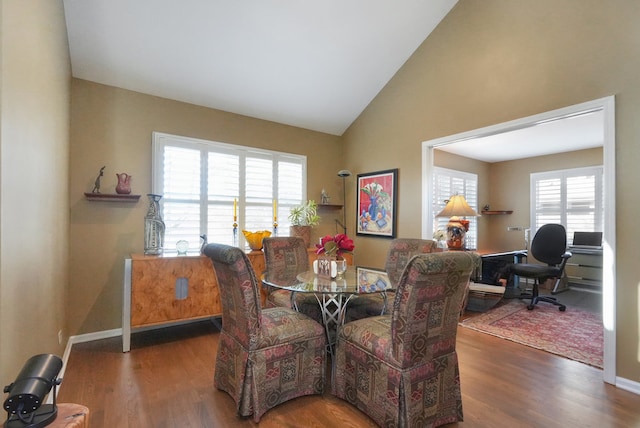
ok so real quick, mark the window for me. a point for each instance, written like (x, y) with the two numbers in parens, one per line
(570, 197)
(200, 180)
(448, 182)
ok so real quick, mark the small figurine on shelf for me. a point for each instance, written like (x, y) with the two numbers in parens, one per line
(96, 184)
(324, 197)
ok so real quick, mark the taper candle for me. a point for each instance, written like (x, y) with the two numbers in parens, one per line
(275, 210)
(235, 209)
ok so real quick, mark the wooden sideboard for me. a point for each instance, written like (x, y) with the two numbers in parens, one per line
(162, 290)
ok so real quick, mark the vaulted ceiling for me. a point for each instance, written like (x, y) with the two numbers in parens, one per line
(314, 65)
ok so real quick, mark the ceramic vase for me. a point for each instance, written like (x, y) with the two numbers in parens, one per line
(153, 227)
(124, 184)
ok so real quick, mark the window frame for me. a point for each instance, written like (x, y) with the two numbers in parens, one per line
(563, 210)
(160, 140)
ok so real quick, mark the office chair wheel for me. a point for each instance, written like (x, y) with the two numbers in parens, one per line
(530, 307)
(562, 308)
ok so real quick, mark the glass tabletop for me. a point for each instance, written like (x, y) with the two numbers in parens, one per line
(356, 280)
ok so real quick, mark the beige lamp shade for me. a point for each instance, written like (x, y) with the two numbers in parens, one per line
(457, 206)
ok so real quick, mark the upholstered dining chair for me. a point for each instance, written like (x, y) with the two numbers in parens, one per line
(402, 368)
(282, 252)
(265, 356)
(401, 250)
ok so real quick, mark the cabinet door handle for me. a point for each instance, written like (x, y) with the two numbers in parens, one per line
(182, 288)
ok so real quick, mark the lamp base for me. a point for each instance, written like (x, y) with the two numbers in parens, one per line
(456, 232)
(42, 417)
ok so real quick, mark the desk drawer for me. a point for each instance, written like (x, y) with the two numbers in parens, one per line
(585, 272)
(586, 260)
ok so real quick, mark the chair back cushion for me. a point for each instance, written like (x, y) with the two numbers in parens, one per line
(401, 250)
(238, 293)
(427, 305)
(549, 244)
(285, 252)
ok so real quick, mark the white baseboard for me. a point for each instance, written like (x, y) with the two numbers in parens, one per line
(628, 385)
(90, 337)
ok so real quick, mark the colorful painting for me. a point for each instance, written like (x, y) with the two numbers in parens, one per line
(377, 202)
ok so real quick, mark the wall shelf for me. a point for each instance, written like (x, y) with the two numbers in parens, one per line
(111, 197)
(333, 206)
(495, 212)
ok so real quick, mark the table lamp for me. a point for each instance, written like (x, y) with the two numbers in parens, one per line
(457, 228)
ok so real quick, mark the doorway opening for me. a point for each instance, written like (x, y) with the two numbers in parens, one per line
(607, 107)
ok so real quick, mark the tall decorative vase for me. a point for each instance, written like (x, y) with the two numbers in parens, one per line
(153, 227)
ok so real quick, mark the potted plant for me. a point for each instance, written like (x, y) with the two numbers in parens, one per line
(302, 218)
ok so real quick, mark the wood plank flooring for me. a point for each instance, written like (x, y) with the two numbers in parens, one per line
(167, 381)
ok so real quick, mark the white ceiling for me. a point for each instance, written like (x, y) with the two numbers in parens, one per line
(583, 131)
(314, 65)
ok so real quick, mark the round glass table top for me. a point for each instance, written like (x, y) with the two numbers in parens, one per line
(355, 280)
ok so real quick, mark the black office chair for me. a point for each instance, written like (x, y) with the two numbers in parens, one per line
(549, 246)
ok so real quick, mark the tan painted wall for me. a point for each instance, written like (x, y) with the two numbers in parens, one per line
(113, 127)
(510, 184)
(492, 61)
(34, 135)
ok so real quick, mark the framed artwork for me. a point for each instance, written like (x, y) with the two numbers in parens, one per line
(372, 280)
(377, 203)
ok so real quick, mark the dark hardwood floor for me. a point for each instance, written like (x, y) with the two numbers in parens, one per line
(167, 381)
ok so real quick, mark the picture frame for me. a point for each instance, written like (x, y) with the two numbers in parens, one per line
(372, 280)
(377, 203)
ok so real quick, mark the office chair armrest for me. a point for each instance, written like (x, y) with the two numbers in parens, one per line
(567, 255)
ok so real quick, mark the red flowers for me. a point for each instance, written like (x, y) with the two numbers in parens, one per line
(335, 245)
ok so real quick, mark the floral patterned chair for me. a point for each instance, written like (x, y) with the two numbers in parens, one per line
(401, 250)
(287, 253)
(402, 368)
(265, 356)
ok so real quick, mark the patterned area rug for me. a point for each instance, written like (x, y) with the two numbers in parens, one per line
(574, 334)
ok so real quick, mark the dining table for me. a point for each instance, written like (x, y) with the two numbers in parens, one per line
(333, 294)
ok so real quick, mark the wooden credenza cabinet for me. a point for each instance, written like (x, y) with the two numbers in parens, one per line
(162, 290)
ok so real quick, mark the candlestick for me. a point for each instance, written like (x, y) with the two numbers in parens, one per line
(235, 209)
(235, 234)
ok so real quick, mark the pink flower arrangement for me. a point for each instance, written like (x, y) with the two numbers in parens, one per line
(335, 245)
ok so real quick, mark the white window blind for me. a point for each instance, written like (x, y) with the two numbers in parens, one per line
(199, 181)
(571, 197)
(449, 182)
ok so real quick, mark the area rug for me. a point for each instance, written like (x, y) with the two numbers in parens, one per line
(573, 334)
